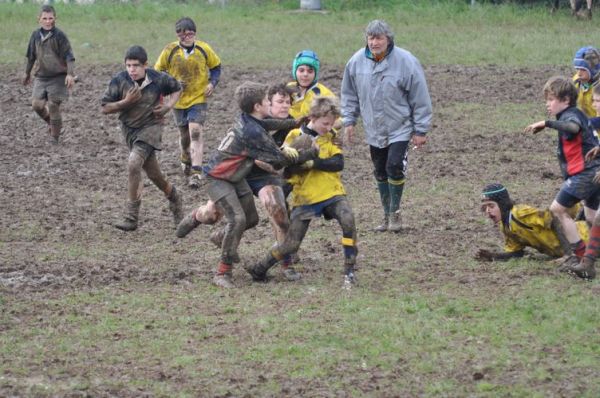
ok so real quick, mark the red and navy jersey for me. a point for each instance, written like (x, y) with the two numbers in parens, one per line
(245, 142)
(573, 147)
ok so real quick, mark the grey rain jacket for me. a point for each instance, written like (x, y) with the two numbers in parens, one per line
(391, 96)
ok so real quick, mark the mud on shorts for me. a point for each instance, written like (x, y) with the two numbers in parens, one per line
(580, 187)
(50, 88)
(258, 183)
(315, 210)
(218, 189)
(194, 114)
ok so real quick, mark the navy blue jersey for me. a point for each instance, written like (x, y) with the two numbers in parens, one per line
(573, 147)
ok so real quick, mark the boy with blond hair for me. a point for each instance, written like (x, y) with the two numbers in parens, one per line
(317, 191)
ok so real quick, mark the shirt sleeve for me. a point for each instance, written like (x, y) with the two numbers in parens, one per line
(112, 93)
(349, 102)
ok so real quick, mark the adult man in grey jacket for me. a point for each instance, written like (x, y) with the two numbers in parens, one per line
(385, 85)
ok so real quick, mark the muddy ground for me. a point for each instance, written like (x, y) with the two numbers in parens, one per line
(58, 202)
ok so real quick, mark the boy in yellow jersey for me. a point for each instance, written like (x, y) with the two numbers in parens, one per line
(317, 191)
(587, 71)
(305, 70)
(523, 226)
(198, 69)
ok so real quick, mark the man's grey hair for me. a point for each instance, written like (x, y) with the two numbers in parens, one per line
(378, 27)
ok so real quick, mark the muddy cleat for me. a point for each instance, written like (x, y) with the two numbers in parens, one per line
(130, 223)
(196, 179)
(176, 206)
(187, 225)
(291, 274)
(224, 280)
(395, 224)
(584, 269)
(216, 237)
(349, 279)
(384, 225)
(257, 273)
(567, 263)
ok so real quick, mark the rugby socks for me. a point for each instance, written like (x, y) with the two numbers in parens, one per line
(579, 248)
(593, 247)
(349, 247)
(224, 268)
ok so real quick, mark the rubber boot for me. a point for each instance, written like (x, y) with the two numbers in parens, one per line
(175, 205)
(395, 223)
(130, 222)
(384, 195)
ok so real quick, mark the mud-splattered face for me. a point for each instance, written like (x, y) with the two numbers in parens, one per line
(135, 69)
(47, 20)
(491, 210)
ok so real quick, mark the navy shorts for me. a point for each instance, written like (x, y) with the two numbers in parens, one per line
(258, 183)
(580, 187)
(193, 114)
(315, 210)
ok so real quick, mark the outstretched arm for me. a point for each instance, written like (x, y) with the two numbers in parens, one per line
(487, 255)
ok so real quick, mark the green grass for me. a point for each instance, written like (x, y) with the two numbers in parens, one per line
(386, 331)
(270, 33)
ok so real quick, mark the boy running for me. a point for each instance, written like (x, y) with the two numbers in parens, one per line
(575, 139)
(142, 97)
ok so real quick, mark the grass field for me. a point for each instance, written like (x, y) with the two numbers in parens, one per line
(88, 311)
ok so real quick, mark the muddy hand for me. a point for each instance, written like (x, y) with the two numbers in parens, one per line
(535, 127)
(484, 255)
(134, 94)
(592, 154)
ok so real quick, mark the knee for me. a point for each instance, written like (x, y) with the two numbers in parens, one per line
(195, 132)
(38, 105)
(135, 164)
(557, 210)
(53, 107)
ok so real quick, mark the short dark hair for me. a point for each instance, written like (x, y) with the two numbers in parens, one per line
(562, 88)
(282, 89)
(185, 23)
(136, 53)
(47, 8)
(249, 94)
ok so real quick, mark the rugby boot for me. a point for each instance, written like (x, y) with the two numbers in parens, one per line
(258, 272)
(395, 223)
(567, 263)
(175, 205)
(224, 280)
(130, 222)
(196, 180)
(584, 269)
(349, 278)
(186, 164)
(290, 274)
(54, 129)
(384, 225)
(187, 225)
